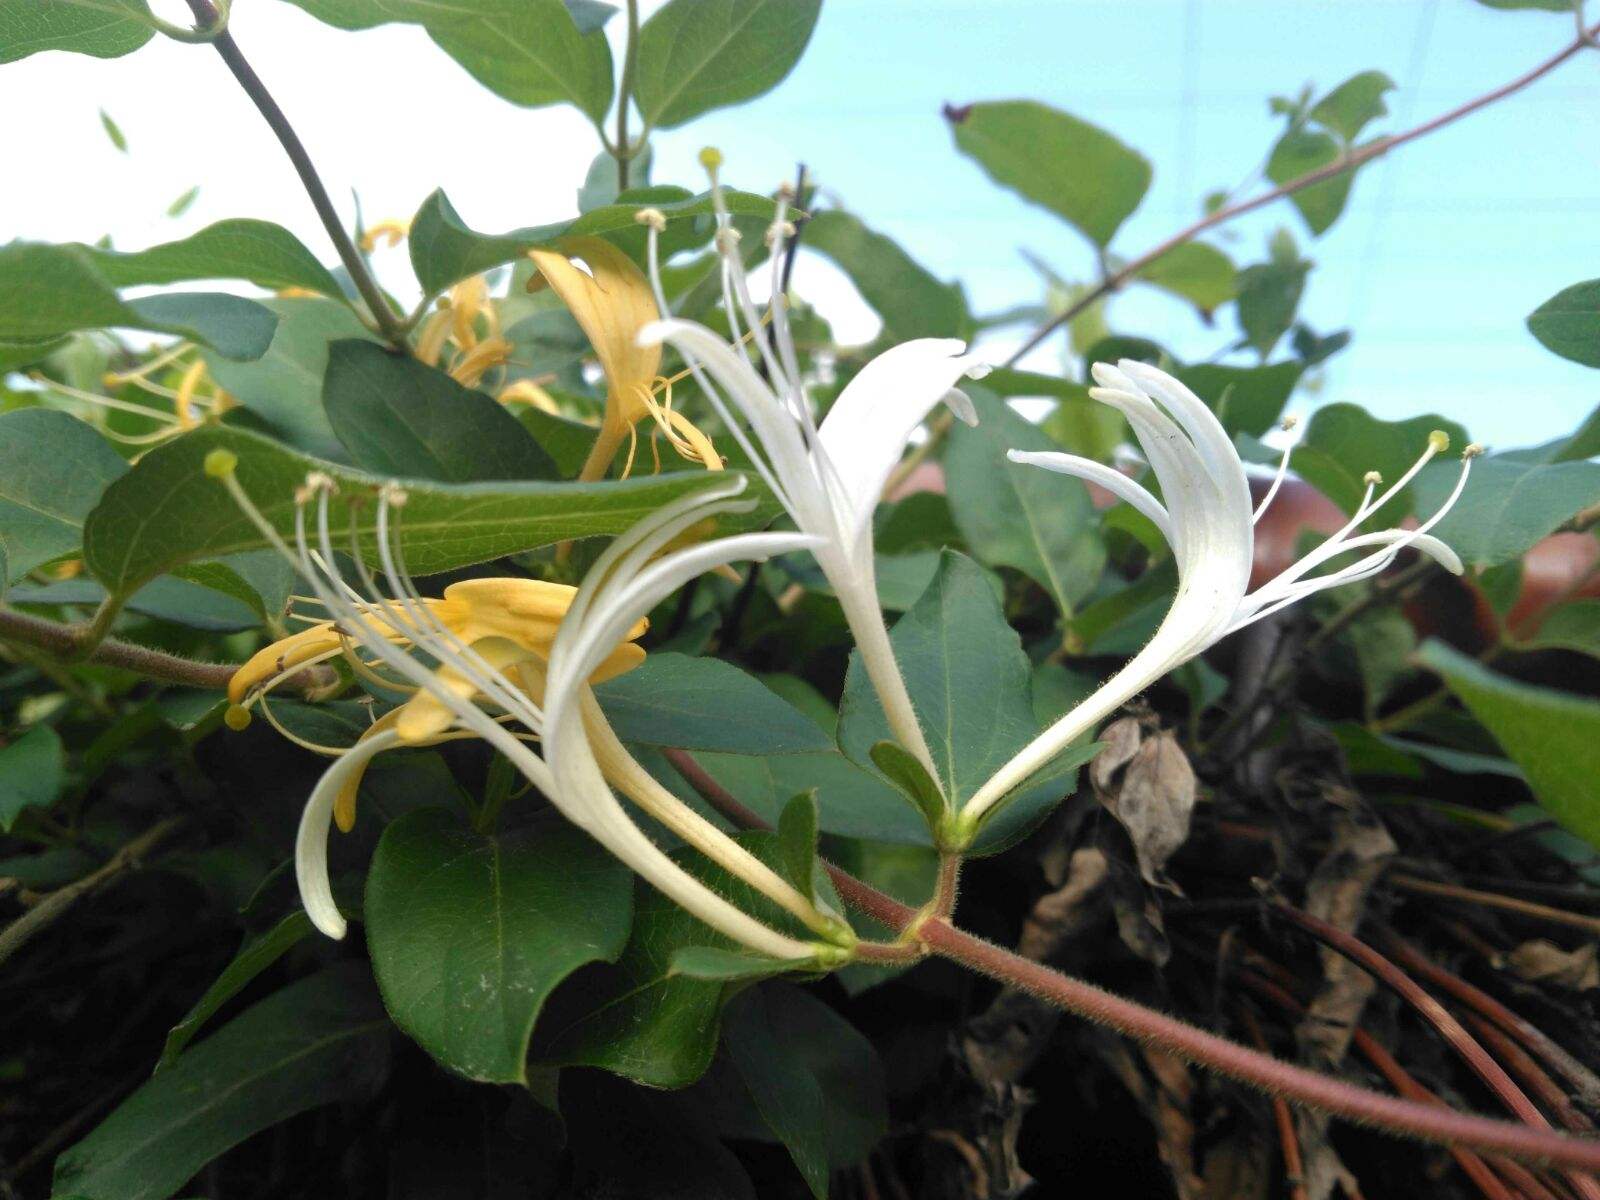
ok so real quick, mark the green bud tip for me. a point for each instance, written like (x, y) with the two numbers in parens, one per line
(219, 464)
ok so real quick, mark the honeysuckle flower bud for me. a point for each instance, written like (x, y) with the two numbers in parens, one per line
(493, 661)
(1208, 520)
(612, 302)
(389, 232)
(829, 477)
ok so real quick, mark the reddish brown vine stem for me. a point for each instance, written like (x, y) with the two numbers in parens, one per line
(1083, 999)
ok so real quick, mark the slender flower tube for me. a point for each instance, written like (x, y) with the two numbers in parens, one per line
(500, 671)
(1208, 520)
(828, 477)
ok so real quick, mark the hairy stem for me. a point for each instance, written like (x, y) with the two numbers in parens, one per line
(66, 642)
(1356, 158)
(388, 323)
(1297, 1084)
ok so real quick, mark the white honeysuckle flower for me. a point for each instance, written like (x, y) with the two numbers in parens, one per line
(829, 478)
(1209, 522)
(535, 698)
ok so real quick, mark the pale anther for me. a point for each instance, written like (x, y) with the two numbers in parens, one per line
(654, 218)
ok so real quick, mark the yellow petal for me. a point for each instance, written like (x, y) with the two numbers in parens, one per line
(525, 611)
(425, 715)
(282, 656)
(611, 302)
(344, 804)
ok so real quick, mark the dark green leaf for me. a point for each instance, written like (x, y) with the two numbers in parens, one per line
(267, 255)
(1568, 323)
(400, 417)
(1020, 516)
(715, 963)
(1245, 399)
(1193, 271)
(970, 684)
(33, 770)
(1343, 442)
(284, 386)
(166, 599)
(1354, 104)
(815, 1080)
(911, 301)
(53, 469)
(1508, 505)
(444, 250)
(49, 290)
(696, 55)
(1299, 152)
(644, 1018)
(705, 704)
(1081, 173)
(100, 28)
(316, 1041)
(1553, 736)
(167, 512)
(469, 933)
(258, 953)
(1269, 296)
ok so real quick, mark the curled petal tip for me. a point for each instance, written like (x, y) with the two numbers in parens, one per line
(961, 404)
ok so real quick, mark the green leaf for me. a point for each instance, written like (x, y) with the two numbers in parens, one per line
(1269, 296)
(33, 770)
(911, 301)
(284, 386)
(1573, 626)
(901, 768)
(797, 842)
(258, 953)
(1245, 399)
(1343, 442)
(1020, 516)
(1553, 736)
(1507, 506)
(815, 1080)
(444, 250)
(1081, 173)
(644, 1018)
(166, 599)
(184, 202)
(317, 1041)
(113, 131)
(267, 255)
(1196, 272)
(1354, 104)
(99, 28)
(53, 469)
(50, 290)
(714, 963)
(1299, 152)
(397, 416)
(531, 52)
(469, 933)
(166, 511)
(705, 704)
(1568, 323)
(970, 684)
(696, 55)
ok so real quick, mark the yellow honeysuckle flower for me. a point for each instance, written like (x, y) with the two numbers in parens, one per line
(509, 624)
(526, 391)
(455, 323)
(612, 301)
(388, 233)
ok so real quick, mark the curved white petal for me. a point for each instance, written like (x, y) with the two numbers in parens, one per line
(1113, 480)
(311, 840)
(866, 430)
(1210, 439)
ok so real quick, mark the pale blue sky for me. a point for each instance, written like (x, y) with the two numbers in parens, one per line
(1444, 251)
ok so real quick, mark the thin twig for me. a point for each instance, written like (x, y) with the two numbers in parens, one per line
(65, 642)
(1358, 157)
(388, 323)
(1524, 908)
(1084, 999)
(57, 903)
(1294, 1175)
(630, 59)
